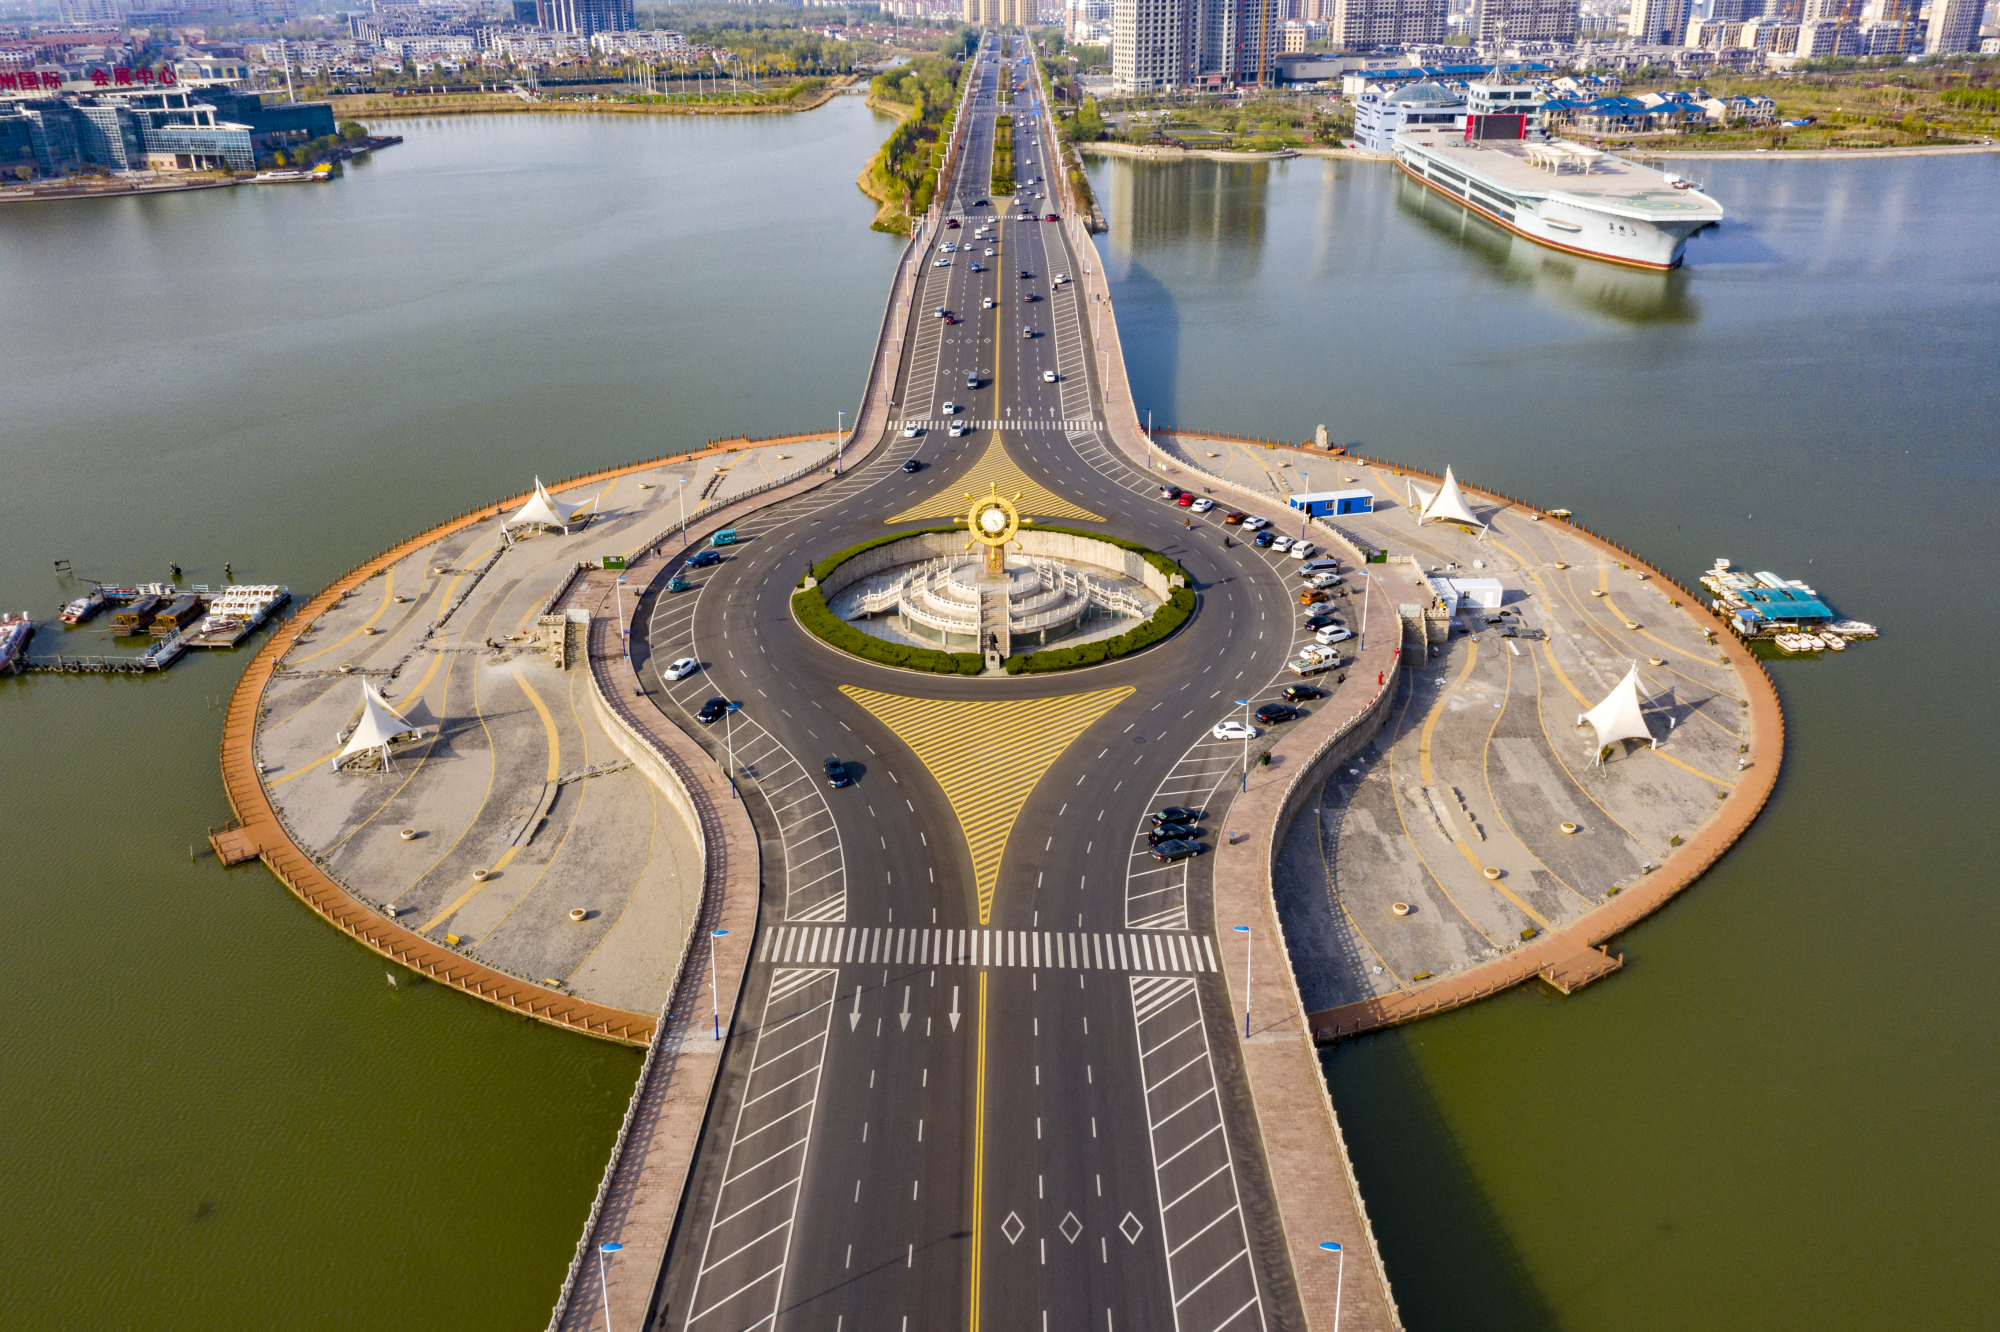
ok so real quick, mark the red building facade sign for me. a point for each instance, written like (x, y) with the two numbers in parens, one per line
(29, 80)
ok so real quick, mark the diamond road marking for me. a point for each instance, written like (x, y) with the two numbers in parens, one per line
(1071, 1227)
(1131, 1228)
(1012, 1228)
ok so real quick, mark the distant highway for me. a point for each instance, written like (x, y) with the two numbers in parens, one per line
(983, 1073)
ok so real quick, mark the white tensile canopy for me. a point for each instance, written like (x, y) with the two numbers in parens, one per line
(544, 510)
(379, 724)
(1620, 716)
(1447, 504)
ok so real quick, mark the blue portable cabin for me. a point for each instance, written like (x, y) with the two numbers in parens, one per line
(1336, 502)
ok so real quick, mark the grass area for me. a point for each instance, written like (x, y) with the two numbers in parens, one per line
(1265, 123)
(776, 97)
(1862, 106)
(1003, 155)
(902, 176)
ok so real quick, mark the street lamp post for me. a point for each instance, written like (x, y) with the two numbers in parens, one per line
(624, 630)
(1305, 505)
(681, 491)
(1366, 588)
(603, 1282)
(1244, 930)
(1244, 703)
(1339, 1277)
(729, 739)
(714, 993)
(839, 439)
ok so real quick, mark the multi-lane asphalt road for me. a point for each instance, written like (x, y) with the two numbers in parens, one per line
(983, 1073)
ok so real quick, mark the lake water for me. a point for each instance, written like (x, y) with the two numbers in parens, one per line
(216, 1113)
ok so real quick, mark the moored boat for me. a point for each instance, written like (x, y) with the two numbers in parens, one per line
(15, 631)
(81, 609)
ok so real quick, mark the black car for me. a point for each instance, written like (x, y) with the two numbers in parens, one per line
(1172, 832)
(1321, 620)
(701, 559)
(1298, 693)
(836, 774)
(1175, 814)
(712, 710)
(913, 466)
(1176, 850)
(981, 203)
(1273, 713)
(1026, 274)
(1170, 492)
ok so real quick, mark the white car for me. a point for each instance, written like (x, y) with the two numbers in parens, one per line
(1304, 550)
(1202, 505)
(1325, 580)
(959, 428)
(1234, 730)
(989, 252)
(942, 263)
(1281, 544)
(1330, 634)
(1253, 523)
(986, 304)
(912, 430)
(681, 668)
(1048, 376)
(949, 408)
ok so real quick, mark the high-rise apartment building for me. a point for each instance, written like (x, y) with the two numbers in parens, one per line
(1524, 21)
(1659, 22)
(1003, 13)
(584, 17)
(1357, 25)
(1162, 44)
(1954, 27)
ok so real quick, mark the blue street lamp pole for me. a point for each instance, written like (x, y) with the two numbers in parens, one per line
(624, 630)
(603, 1283)
(1339, 1276)
(715, 994)
(1244, 930)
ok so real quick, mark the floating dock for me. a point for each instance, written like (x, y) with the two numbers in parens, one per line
(1785, 612)
(178, 618)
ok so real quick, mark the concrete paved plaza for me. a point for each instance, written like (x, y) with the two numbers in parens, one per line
(515, 774)
(1481, 761)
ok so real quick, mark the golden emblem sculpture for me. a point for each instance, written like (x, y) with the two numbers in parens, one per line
(993, 521)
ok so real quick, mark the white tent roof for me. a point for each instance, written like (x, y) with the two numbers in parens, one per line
(545, 509)
(1448, 504)
(1619, 716)
(379, 724)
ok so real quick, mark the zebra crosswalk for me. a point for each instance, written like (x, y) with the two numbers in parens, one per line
(1011, 423)
(1139, 951)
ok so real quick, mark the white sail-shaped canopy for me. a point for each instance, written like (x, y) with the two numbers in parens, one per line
(379, 724)
(1620, 716)
(543, 509)
(1448, 505)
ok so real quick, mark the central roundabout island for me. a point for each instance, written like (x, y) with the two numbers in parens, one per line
(996, 594)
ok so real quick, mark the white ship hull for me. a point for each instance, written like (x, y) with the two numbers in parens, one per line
(1641, 223)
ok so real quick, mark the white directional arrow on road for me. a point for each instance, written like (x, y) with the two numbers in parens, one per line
(904, 1016)
(954, 1008)
(854, 1018)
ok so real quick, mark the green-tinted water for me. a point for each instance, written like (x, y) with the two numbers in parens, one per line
(1780, 1113)
(214, 1111)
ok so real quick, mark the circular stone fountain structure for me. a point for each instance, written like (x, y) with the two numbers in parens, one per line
(998, 585)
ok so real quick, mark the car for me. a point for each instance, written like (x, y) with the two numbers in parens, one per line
(949, 247)
(939, 313)
(1060, 278)
(1027, 298)
(678, 584)
(1299, 693)
(1326, 580)
(1172, 832)
(1280, 542)
(982, 203)
(1325, 564)
(1048, 376)
(1256, 524)
(913, 466)
(1185, 499)
(1202, 505)
(988, 303)
(1175, 814)
(1026, 274)
(681, 668)
(1304, 550)
(1261, 539)
(1232, 517)
(951, 225)
(990, 252)
(1027, 332)
(976, 268)
(949, 407)
(951, 319)
(701, 559)
(1320, 619)
(912, 430)
(972, 380)
(1330, 634)
(958, 428)
(1312, 596)
(1176, 850)
(1273, 714)
(1234, 730)
(711, 710)
(1170, 492)
(1051, 217)
(837, 775)
(942, 262)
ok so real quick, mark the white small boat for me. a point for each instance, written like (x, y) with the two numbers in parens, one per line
(15, 631)
(1833, 642)
(1853, 629)
(76, 612)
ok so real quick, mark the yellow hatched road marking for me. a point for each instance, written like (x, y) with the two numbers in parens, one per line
(997, 469)
(988, 757)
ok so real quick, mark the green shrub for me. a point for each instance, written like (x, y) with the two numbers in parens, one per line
(1163, 622)
(823, 624)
